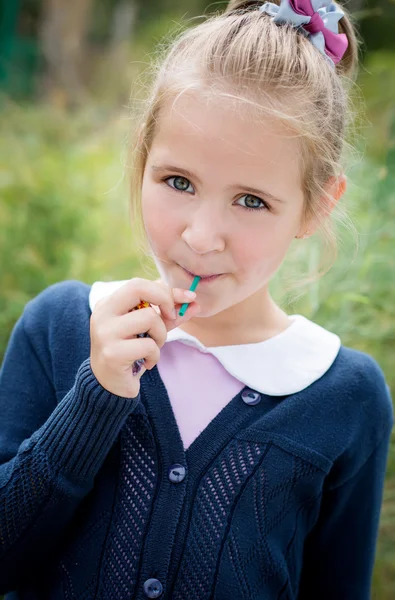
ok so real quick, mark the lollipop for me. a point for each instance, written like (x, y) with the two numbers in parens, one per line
(137, 365)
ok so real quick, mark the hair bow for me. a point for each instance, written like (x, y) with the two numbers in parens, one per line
(318, 18)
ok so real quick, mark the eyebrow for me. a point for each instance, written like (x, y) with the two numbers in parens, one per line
(247, 188)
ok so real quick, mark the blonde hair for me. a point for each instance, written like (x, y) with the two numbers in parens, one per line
(241, 55)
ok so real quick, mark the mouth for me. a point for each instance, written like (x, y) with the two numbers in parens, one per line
(203, 278)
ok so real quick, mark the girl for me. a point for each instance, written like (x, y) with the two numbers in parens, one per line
(246, 458)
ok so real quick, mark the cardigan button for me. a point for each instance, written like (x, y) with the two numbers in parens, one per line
(153, 588)
(251, 397)
(176, 473)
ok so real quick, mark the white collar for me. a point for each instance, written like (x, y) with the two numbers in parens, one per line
(284, 364)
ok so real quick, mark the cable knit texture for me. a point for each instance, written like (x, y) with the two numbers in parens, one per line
(276, 499)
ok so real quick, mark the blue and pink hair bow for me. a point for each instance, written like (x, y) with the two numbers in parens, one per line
(319, 22)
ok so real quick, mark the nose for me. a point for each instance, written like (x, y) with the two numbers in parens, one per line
(203, 232)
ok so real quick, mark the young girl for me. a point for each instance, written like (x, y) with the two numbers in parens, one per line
(246, 458)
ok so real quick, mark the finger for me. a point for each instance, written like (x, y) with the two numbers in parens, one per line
(134, 291)
(193, 310)
(128, 351)
(145, 320)
(148, 350)
(180, 295)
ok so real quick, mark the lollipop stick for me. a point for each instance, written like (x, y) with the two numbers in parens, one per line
(193, 287)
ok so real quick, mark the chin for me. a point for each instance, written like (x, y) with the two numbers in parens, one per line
(208, 312)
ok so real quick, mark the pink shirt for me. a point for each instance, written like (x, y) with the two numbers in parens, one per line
(198, 387)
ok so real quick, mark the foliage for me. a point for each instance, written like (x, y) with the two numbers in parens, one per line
(59, 181)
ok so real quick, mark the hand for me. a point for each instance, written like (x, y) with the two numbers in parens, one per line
(114, 329)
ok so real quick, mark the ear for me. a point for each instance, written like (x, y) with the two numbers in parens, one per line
(335, 188)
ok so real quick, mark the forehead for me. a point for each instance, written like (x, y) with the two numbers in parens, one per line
(218, 132)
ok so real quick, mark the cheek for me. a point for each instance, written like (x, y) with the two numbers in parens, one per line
(152, 228)
(159, 225)
(262, 250)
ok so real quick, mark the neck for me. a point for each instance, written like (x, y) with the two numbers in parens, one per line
(254, 320)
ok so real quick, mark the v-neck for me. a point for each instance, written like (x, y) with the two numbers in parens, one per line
(233, 417)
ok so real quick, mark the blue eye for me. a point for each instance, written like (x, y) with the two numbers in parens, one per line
(250, 200)
(181, 186)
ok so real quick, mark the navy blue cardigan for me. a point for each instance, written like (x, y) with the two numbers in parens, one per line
(277, 499)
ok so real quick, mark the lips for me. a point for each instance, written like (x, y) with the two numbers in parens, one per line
(210, 278)
(203, 277)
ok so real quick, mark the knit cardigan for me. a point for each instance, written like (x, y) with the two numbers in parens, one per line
(278, 498)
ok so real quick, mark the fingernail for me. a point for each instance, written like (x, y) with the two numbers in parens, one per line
(190, 295)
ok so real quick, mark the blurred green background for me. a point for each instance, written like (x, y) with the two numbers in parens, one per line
(64, 204)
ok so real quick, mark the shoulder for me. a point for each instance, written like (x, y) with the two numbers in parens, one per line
(60, 293)
(362, 382)
(56, 323)
(56, 304)
(341, 416)
(358, 407)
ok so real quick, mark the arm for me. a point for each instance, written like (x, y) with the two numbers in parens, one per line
(49, 454)
(340, 550)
